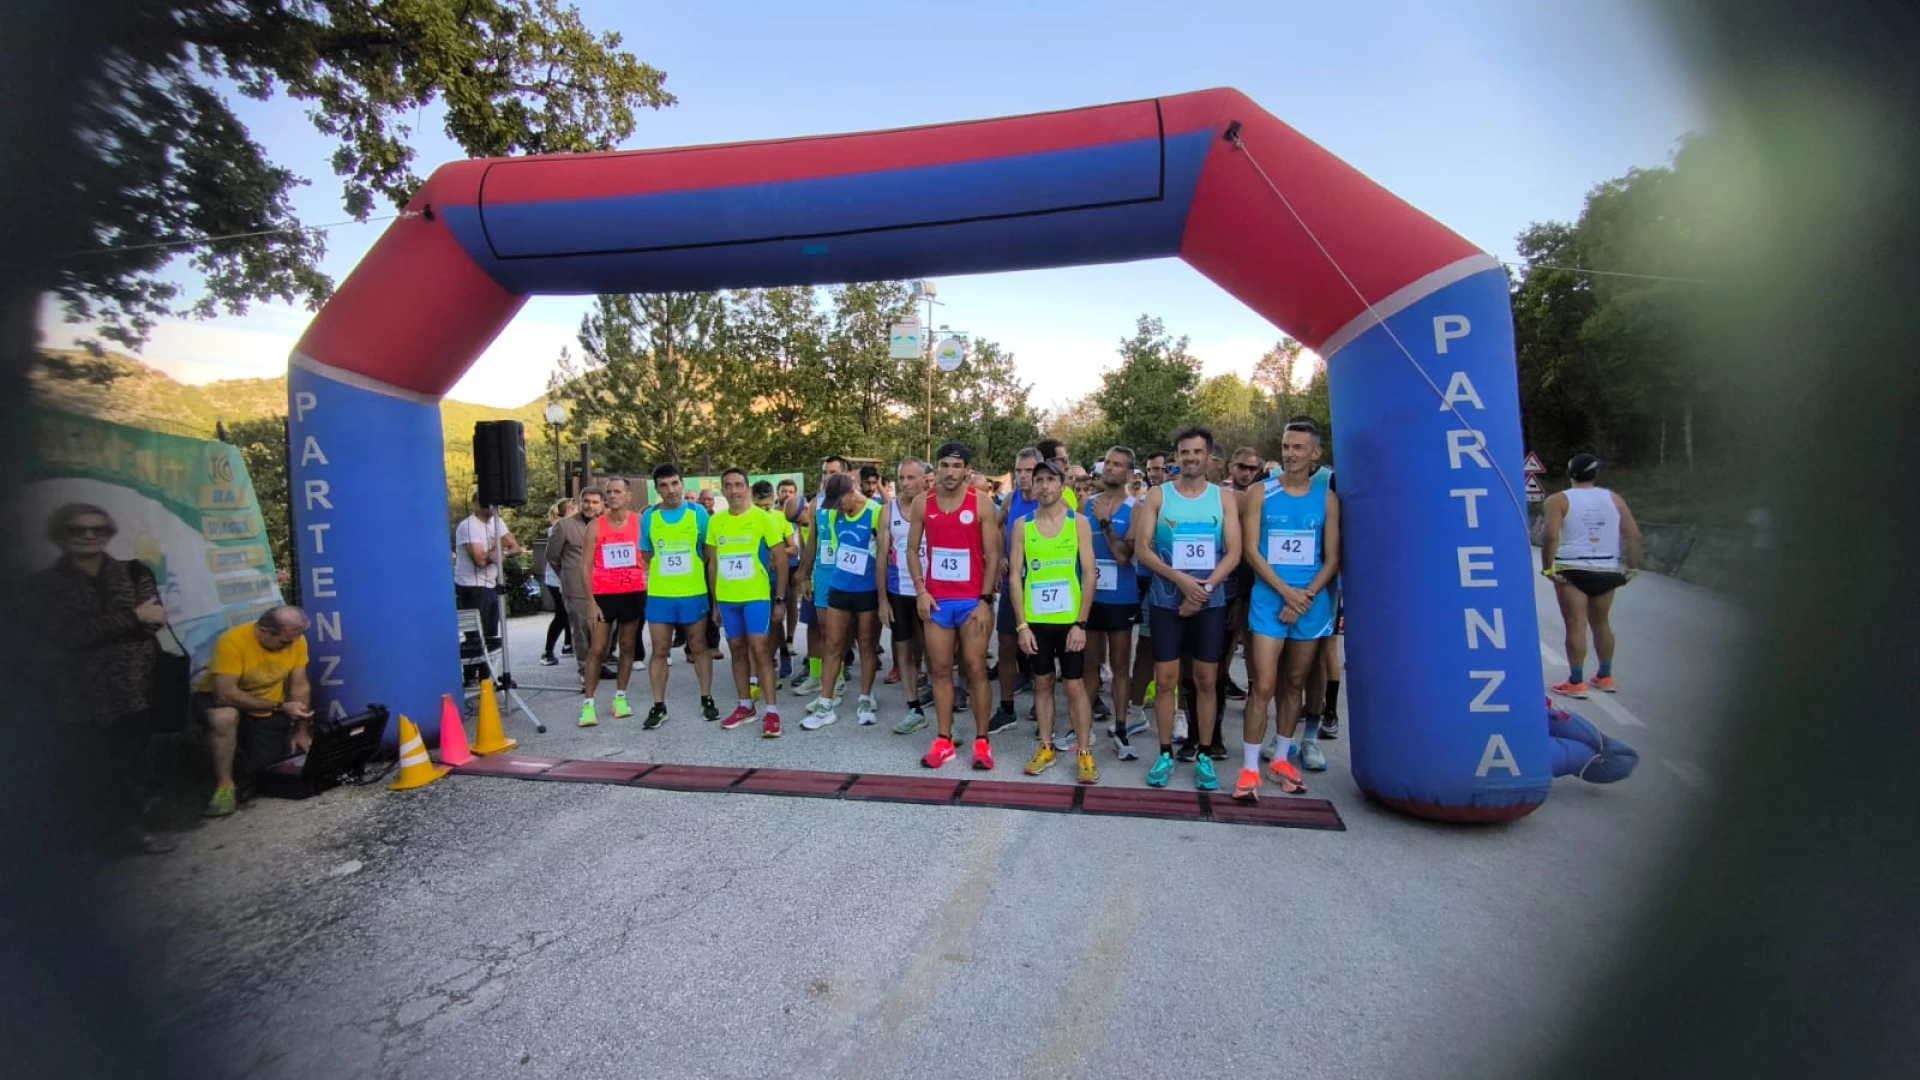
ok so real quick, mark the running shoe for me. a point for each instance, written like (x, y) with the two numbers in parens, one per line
(587, 717)
(1161, 772)
(1204, 778)
(1153, 690)
(1089, 772)
(547, 660)
(1235, 692)
(799, 678)
(655, 717)
(820, 713)
(709, 710)
(770, 727)
(223, 803)
(1218, 751)
(1187, 750)
(1330, 725)
(1102, 714)
(940, 753)
(1283, 772)
(621, 710)
(893, 675)
(566, 650)
(1180, 726)
(982, 755)
(867, 711)
(910, 723)
(753, 689)
(737, 717)
(1065, 742)
(1123, 749)
(1002, 719)
(807, 687)
(1248, 789)
(786, 665)
(1605, 684)
(1137, 721)
(1267, 748)
(1041, 761)
(1311, 759)
(1576, 690)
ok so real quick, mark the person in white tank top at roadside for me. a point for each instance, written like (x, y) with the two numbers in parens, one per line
(1588, 531)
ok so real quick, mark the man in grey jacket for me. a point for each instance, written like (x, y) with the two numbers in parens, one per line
(565, 552)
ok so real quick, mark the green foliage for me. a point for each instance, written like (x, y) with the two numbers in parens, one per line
(1150, 395)
(170, 161)
(263, 444)
(776, 379)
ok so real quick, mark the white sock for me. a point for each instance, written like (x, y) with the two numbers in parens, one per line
(1250, 755)
(1283, 747)
(773, 710)
(585, 702)
(745, 704)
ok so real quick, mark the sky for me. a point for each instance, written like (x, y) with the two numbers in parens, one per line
(1486, 114)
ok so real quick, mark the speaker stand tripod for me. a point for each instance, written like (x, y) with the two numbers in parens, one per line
(503, 681)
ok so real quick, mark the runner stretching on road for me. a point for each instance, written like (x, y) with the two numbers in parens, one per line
(1587, 527)
(956, 526)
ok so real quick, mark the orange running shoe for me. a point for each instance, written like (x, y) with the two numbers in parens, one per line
(1604, 683)
(1287, 775)
(1577, 690)
(941, 752)
(1248, 789)
(982, 754)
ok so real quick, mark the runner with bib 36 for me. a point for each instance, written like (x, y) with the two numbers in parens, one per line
(1188, 534)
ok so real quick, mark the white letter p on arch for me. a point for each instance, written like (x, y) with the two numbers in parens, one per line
(1449, 328)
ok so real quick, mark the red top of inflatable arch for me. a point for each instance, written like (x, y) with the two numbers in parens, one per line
(1109, 183)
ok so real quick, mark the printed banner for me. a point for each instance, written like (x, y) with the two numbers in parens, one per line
(182, 506)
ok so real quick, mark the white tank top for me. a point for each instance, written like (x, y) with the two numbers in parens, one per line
(899, 578)
(1590, 540)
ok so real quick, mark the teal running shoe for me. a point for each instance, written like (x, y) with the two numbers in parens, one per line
(1204, 778)
(1161, 772)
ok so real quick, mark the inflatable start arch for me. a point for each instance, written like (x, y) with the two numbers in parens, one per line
(1444, 676)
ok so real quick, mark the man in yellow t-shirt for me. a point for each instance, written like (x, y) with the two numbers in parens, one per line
(744, 544)
(257, 671)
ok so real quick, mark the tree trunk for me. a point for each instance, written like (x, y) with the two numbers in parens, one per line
(1687, 432)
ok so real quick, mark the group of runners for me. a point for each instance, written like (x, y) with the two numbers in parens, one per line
(1064, 571)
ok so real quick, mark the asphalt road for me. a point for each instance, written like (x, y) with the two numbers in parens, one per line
(489, 927)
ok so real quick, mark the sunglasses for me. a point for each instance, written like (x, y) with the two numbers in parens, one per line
(90, 530)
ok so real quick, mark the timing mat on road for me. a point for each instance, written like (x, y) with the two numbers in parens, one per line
(1291, 813)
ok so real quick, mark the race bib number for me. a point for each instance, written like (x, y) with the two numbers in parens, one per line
(1108, 573)
(1193, 553)
(675, 561)
(617, 556)
(1050, 600)
(826, 555)
(952, 564)
(1291, 547)
(737, 567)
(852, 560)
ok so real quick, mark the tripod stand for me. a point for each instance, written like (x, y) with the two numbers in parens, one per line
(502, 676)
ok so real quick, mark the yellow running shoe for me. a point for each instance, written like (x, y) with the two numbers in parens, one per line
(1152, 689)
(1089, 772)
(1042, 760)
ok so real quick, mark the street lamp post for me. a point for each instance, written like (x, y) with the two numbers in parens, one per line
(556, 415)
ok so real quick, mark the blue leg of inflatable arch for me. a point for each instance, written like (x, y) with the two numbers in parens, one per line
(370, 507)
(1442, 638)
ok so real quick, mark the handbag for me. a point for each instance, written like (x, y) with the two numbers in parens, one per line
(172, 693)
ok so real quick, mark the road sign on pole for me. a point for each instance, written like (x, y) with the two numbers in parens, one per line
(1533, 466)
(949, 353)
(905, 341)
(1535, 492)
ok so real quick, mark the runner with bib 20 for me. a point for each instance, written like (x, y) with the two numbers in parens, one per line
(852, 604)
(1294, 523)
(1188, 534)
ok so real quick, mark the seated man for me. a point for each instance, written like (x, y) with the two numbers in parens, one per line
(258, 672)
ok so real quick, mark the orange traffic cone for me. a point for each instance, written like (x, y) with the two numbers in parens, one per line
(416, 768)
(453, 736)
(488, 736)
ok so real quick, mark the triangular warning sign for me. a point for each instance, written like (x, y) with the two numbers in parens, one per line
(1533, 465)
(1533, 485)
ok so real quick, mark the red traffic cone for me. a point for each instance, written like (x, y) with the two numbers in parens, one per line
(453, 737)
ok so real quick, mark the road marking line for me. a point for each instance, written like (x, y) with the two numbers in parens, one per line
(1689, 774)
(1601, 700)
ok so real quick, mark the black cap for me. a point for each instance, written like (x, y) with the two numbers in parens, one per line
(1583, 467)
(1051, 466)
(955, 449)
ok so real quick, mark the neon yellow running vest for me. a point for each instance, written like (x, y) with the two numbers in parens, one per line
(1053, 573)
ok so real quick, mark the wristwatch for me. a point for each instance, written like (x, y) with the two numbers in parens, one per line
(1079, 624)
(1207, 585)
(986, 598)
